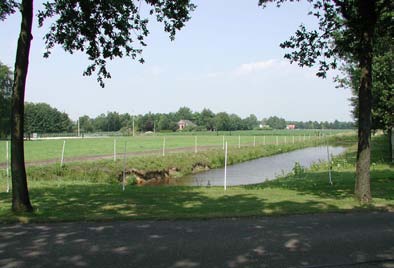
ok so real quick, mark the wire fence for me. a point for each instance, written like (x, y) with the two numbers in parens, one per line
(85, 148)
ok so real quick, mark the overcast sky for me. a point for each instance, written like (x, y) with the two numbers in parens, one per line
(227, 58)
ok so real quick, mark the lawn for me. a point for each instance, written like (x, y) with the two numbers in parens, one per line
(308, 191)
(52, 149)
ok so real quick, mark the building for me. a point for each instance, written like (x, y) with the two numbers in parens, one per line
(290, 126)
(185, 123)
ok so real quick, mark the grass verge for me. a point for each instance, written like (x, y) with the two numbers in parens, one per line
(307, 191)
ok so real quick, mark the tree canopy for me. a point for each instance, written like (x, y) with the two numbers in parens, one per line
(42, 118)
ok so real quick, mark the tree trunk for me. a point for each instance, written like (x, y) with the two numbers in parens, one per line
(20, 193)
(366, 9)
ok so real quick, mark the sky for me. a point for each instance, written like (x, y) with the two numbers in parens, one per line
(226, 58)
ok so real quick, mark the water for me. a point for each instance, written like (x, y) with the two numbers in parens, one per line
(259, 170)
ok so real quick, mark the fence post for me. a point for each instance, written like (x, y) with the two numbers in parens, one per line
(114, 150)
(62, 159)
(195, 144)
(8, 167)
(124, 166)
(225, 167)
(164, 146)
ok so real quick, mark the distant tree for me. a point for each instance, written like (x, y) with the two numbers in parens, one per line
(235, 122)
(86, 124)
(163, 123)
(100, 123)
(103, 30)
(251, 122)
(42, 118)
(276, 122)
(126, 120)
(222, 121)
(147, 122)
(5, 100)
(113, 120)
(184, 113)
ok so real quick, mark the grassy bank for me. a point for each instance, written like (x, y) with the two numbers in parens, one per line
(308, 191)
(109, 171)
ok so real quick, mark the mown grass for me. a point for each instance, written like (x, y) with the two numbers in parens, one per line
(306, 192)
(52, 149)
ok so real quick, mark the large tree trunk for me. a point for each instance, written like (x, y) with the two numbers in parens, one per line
(367, 14)
(20, 193)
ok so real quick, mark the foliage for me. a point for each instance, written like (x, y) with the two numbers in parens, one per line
(276, 122)
(108, 29)
(42, 118)
(298, 170)
(5, 99)
(382, 88)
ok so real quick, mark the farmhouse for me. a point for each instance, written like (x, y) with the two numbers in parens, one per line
(290, 126)
(185, 123)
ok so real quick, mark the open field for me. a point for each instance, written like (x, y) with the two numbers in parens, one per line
(38, 150)
(308, 191)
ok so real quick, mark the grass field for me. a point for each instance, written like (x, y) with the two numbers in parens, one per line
(52, 149)
(308, 191)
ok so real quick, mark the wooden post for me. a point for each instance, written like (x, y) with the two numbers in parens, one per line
(62, 159)
(225, 167)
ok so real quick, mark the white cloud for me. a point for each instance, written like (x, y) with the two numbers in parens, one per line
(252, 67)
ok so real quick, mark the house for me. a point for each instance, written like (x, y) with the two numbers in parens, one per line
(185, 123)
(290, 126)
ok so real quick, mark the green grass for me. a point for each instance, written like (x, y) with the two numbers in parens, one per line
(51, 149)
(108, 171)
(307, 192)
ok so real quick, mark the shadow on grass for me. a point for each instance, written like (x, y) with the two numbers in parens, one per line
(317, 184)
(109, 202)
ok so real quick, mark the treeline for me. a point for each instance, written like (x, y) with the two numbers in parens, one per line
(42, 118)
(198, 121)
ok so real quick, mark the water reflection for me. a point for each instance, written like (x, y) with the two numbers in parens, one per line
(259, 170)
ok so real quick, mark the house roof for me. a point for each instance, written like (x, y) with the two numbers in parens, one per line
(186, 122)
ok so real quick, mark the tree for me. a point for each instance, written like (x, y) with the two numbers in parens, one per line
(222, 121)
(103, 30)
(235, 122)
(42, 118)
(207, 119)
(382, 88)
(5, 100)
(184, 113)
(347, 29)
(164, 123)
(86, 124)
(251, 122)
(113, 120)
(276, 122)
